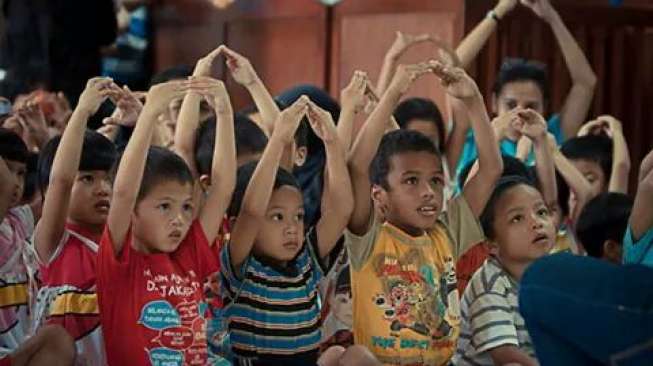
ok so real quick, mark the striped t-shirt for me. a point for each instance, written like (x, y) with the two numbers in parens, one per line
(274, 313)
(490, 313)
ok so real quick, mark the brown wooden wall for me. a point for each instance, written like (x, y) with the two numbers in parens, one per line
(302, 41)
(617, 41)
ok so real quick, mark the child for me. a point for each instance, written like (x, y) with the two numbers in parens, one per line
(16, 227)
(592, 156)
(519, 228)
(153, 246)
(51, 345)
(422, 115)
(270, 269)
(602, 225)
(403, 279)
(74, 179)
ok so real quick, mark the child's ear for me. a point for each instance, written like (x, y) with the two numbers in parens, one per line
(494, 248)
(380, 198)
(612, 251)
(205, 182)
(300, 155)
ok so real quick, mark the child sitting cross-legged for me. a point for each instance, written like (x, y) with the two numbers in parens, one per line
(154, 257)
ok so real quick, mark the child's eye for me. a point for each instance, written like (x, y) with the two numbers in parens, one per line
(164, 206)
(511, 104)
(412, 181)
(517, 219)
(277, 217)
(437, 181)
(86, 178)
(188, 207)
(543, 212)
(299, 217)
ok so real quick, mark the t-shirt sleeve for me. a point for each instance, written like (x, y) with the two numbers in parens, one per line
(205, 257)
(555, 128)
(26, 218)
(360, 248)
(638, 252)
(491, 322)
(111, 269)
(462, 225)
(312, 247)
(231, 278)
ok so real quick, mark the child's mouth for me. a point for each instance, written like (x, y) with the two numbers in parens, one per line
(103, 206)
(291, 245)
(428, 211)
(541, 239)
(175, 235)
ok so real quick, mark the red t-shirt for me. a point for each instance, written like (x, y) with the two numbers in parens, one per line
(151, 306)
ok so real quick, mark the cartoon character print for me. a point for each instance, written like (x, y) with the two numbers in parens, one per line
(415, 297)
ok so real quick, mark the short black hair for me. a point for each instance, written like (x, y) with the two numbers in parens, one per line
(250, 139)
(98, 153)
(422, 109)
(163, 165)
(595, 148)
(518, 69)
(395, 143)
(12, 146)
(511, 166)
(502, 186)
(174, 73)
(561, 187)
(244, 176)
(603, 218)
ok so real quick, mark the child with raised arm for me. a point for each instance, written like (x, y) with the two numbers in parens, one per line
(74, 177)
(406, 308)
(271, 266)
(154, 248)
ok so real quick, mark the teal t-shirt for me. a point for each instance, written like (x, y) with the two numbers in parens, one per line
(508, 147)
(640, 252)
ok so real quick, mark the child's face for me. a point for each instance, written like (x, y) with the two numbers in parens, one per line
(18, 170)
(522, 225)
(342, 307)
(162, 218)
(414, 200)
(593, 173)
(524, 94)
(426, 128)
(90, 198)
(281, 235)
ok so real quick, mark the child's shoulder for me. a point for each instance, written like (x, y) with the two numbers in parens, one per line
(491, 277)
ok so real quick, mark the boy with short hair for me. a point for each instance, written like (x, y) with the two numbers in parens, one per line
(16, 227)
(406, 308)
(154, 246)
(592, 157)
(75, 180)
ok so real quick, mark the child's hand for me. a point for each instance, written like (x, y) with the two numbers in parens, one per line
(128, 107)
(159, 97)
(533, 126)
(215, 93)
(240, 67)
(457, 83)
(289, 120)
(595, 127)
(204, 66)
(354, 93)
(406, 75)
(97, 90)
(542, 8)
(62, 111)
(372, 99)
(404, 41)
(613, 125)
(508, 125)
(322, 123)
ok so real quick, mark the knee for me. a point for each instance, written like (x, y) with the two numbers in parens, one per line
(57, 341)
(331, 357)
(358, 356)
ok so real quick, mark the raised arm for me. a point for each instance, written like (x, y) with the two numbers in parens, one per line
(352, 99)
(368, 141)
(479, 188)
(51, 226)
(337, 199)
(223, 171)
(577, 103)
(259, 190)
(130, 171)
(620, 156)
(390, 61)
(474, 42)
(641, 218)
(534, 128)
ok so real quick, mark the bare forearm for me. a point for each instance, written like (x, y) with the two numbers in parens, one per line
(187, 124)
(641, 218)
(265, 105)
(545, 171)
(345, 127)
(223, 171)
(489, 155)
(339, 184)
(579, 67)
(388, 69)
(474, 42)
(620, 165)
(259, 190)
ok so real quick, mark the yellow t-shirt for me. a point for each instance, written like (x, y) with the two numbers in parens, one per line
(405, 300)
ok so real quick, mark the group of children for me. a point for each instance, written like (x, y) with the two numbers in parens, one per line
(309, 232)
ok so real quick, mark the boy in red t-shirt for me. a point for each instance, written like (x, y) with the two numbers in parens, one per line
(153, 255)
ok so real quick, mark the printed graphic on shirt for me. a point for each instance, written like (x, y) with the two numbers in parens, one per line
(181, 328)
(416, 297)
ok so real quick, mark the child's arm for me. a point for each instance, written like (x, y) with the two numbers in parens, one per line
(504, 355)
(259, 190)
(337, 199)
(245, 75)
(50, 228)
(352, 98)
(641, 218)
(368, 141)
(401, 44)
(189, 114)
(479, 188)
(6, 188)
(478, 37)
(130, 171)
(456, 141)
(223, 171)
(584, 80)
(534, 127)
(620, 156)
